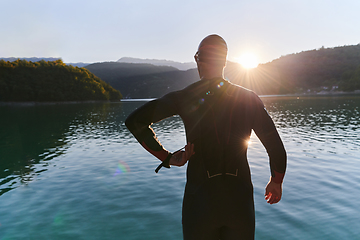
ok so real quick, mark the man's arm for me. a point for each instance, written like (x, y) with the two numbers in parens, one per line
(266, 131)
(139, 123)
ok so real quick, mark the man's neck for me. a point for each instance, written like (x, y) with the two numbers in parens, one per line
(208, 71)
(211, 74)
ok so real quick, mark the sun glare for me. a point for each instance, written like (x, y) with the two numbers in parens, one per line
(248, 60)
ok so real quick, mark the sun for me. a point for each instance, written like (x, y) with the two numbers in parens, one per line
(248, 60)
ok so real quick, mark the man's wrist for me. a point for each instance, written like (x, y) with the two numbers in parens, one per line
(277, 177)
(166, 162)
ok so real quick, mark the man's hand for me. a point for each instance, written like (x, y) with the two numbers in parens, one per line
(273, 192)
(181, 157)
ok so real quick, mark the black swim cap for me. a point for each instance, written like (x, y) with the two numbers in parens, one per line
(213, 47)
(215, 41)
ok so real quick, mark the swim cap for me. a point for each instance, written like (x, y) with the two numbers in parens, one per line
(212, 48)
(213, 41)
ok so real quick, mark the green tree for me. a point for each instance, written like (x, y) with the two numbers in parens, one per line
(51, 81)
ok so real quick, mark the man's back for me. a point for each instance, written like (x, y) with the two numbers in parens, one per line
(219, 118)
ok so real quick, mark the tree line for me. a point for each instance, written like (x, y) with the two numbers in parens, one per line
(324, 69)
(309, 71)
(41, 81)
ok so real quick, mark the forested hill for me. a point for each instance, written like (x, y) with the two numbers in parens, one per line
(37, 59)
(325, 69)
(29, 59)
(156, 84)
(111, 70)
(51, 81)
(140, 80)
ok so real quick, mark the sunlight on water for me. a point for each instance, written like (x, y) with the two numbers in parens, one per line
(75, 172)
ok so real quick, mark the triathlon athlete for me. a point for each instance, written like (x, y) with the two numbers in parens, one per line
(218, 117)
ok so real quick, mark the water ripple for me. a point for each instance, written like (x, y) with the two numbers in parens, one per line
(64, 162)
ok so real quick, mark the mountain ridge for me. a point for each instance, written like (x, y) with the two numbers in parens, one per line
(159, 62)
(311, 71)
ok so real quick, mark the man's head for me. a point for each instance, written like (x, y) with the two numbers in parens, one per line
(211, 56)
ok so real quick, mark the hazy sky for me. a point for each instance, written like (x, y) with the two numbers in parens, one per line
(106, 30)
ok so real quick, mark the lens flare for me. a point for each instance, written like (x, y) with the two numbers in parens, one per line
(122, 168)
(114, 175)
(220, 85)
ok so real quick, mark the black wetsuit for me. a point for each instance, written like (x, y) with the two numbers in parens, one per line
(218, 117)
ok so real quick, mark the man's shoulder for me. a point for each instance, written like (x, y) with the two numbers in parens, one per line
(244, 96)
(189, 90)
(239, 91)
(178, 95)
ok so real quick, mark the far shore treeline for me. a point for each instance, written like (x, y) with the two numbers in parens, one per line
(318, 71)
(313, 71)
(45, 81)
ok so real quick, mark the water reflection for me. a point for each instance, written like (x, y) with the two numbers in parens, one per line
(30, 136)
(317, 119)
(101, 171)
(322, 138)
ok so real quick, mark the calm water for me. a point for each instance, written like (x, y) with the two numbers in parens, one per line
(73, 171)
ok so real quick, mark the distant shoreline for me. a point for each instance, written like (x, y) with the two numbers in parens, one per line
(321, 94)
(32, 103)
(137, 99)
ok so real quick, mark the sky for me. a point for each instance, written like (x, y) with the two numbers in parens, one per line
(97, 31)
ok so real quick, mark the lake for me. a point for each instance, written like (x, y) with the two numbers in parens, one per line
(73, 171)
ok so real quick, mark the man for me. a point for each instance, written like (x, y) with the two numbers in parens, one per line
(218, 117)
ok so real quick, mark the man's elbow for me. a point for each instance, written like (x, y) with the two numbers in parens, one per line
(134, 125)
(130, 122)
